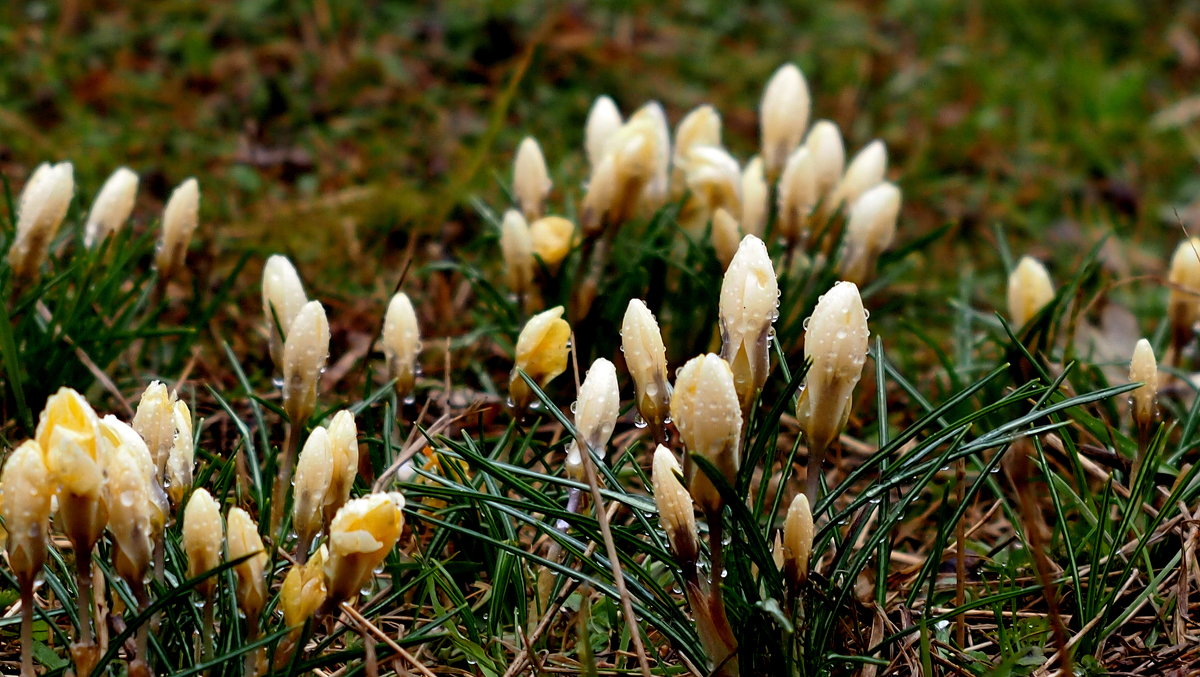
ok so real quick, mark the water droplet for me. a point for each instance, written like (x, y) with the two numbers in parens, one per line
(277, 381)
(574, 406)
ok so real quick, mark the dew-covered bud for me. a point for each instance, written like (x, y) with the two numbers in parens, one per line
(282, 296)
(26, 489)
(824, 141)
(797, 541)
(1029, 290)
(675, 511)
(783, 116)
(112, 207)
(68, 432)
(304, 589)
(42, 206)
(604, 119)
(401, 340)
(646, 359)
(870, 229)
(180, 217)
(797, 195)
(516, 246)
(155, 422)
(314, 474)
(183, 454)
(708, 415)
(304, 354)
(244, 542)
(596, 412)
(202, 536)
(866, 171)
(362, 534)
(701, 127)
(749, 298)
(542, 351)
(132, 512)
(531, 179)
(725, 236)
(552, 238)
(343, 446)
(1183, 297)
(1143, 368)
(116, 435)
(756, 196)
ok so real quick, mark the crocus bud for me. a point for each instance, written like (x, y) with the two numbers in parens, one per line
(362, 534)
(654, 193)
(179, 220)
(755, 198)
(552, 238)
(132, 512)
(314, 473)
(43, 205)
(343, 447)
(603, 121)
(243, 539)
(701, 127)
(675, 511)
(1143, 368)
(155, 422)
(1183, 297)
(202, 536)
(401, 343)
(182, 456)
(725, 236)
(783, 116)
(870, 229)
(516, 245)
(25, 493)
(541, 353)
(866, 170)
(797, 195)
(797, 540)
(749, 298)
(304, 355)
(714, 178)
(835, 344)
(824, 141)
(531, 179)
(646, 359)
(112, 206)
(596, 412)
(600, 203)
(1029, 290)
(283, 296)
(115, 435)
(68, 432)
(706, 411)
(303, 590)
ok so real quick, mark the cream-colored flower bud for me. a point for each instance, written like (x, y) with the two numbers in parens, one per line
(362, 534)
(304, 590)
(714, 178)
(596, 412)
(1029, 290)
(725, 236)
(531, 179)
(708, 415)
(797, 195)
(112, 207)
(755, 198)
(541, 353)
(866, 170)
(654, 193)
(701, 127)
(155, 422)
(69, 434)
(202, 536)
(824, 141)
(552, 238)
(304, 354)
(26, 489)
(43, 205)
(797, 540)
(180, 217)
(604, 119)
(116, 434)
(401, 343)
(870, 229)
(132, 513)
(516, 246)
(600, 205)
(244, 542)
(183, 454)
(675, 511)
(749, 299)
(1143, 368)
(343, 446)
(835, 344)
(646, 359)
(1183, 296)
(314, 474)
(283, 296)
(783, 116)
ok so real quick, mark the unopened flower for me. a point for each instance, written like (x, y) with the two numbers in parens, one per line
(631, 162)
(244, 541)
(155, 422)
(701, 127)
(870, 229)
(603, 120)
(304, 589)
(1029, 290)
(116, 434)
(68, 432)
(835, 344)
(283, 296)
(714, 179)
(552, 238)
(654, 193)
(824, 141)
(783, 116)
(866, 171)
(112, 207)
(1143, 368)
(708, 415)
(797, 540)
(725, 236)
(401, 340)
(516, 246)
(797, 195)
(26, 489)
(179, 220)
(596, 411)
(343, 446)
(132, 512)
(314, 474)
(755, 198)
(675, 511)
(646, 359)
(304, 354)
(531, 179)
(1183, 296)
(202, 536)
(183, 454)
(749, 298)
(541, 353)
(362, 534)
(42, 206)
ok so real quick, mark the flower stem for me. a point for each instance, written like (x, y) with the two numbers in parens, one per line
(27, 628)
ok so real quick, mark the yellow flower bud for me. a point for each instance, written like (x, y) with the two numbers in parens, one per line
(116, 434)
(646, 359)
(531, 179)
(244, 541)
(866, 170)
(552, 238)
(1029, 290)
(596, 412)
(132, 512)
(182, 456)
(202, 536)
(1183, 296)
(604, 119)
(755, 198)
(283, 296)
(707, 413)
(824, 141)
(113, 205)
(314, 473)
(1143, 368)
(797, 540)
(304, 355)
(179, 220)
(68, 432)
(541, 353)
(401, 343)
(783, 116)
(25, 493)
(362, 534)
(797, 195)
(870, 229)
(749, 298)
(155, 422)
(516, 245)
(675, 511)
(43, 205)
(701, 127)
(303, 590)
(725, 236)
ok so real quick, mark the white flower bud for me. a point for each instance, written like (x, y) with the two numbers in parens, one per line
(112, 207)
(183, 454)
(654, 194)
(43, 205)
(725, 236)
(283, 296)
(131, 513)
(714, 178)
(675, 511)
(304, 354)
(179, 220)
(701, 127)
(343, 445)
(1143, 368)
(798, 533)
(203, 533)
(401, 343)
(646, 359)
(1183, 296)
(783, 116)
(596, 412)
(707, 413)
(155, 422)
(866, 170)
(531, 179)
(824, 141)
(755, 198)
(244, 541)
(516, 246)
(749, 298)
(870, 229)
(314, 474)
(1029, 290)
(603, 121)
(26, 490)
(797, 195)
